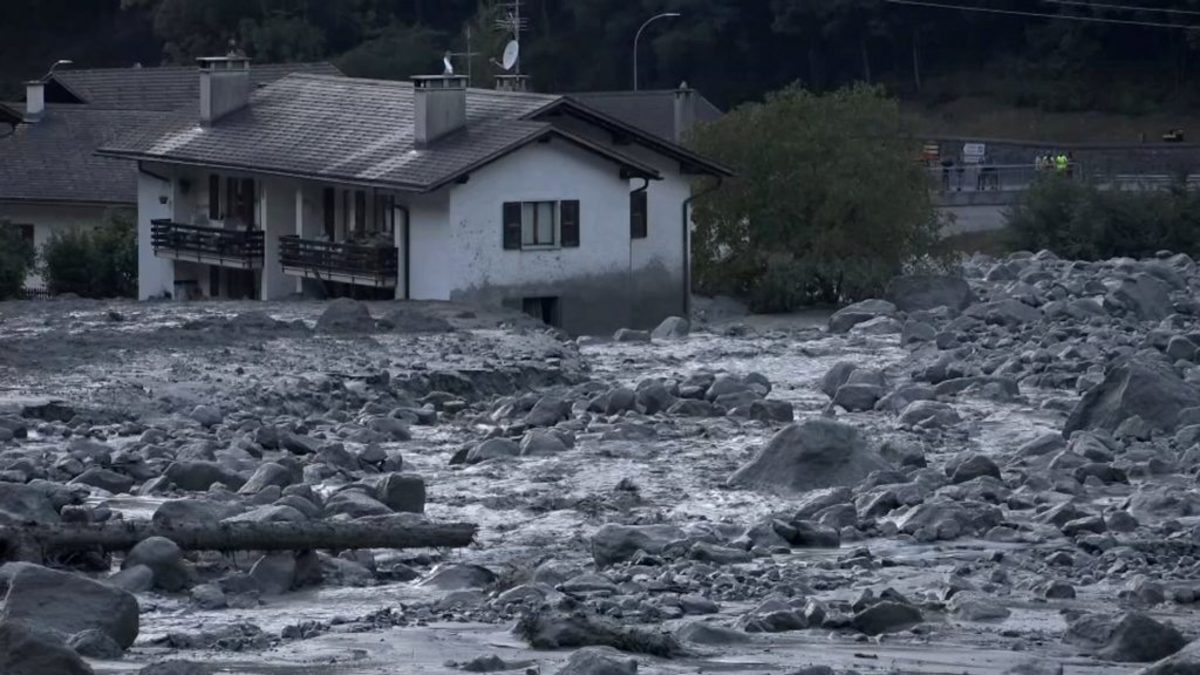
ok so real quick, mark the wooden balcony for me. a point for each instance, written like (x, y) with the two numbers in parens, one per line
(238, 249)
(359, 264)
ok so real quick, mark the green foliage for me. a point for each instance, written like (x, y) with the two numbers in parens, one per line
(399, 53)
(16, 259)
(97, 263)
(1076, 220)
(827, 204)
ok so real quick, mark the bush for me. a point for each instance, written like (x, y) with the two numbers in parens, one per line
(16, 259)
(1076, 220)
(99, 263)
(827, 203)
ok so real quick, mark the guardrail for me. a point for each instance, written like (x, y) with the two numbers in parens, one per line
(364, 264)
(211, 245)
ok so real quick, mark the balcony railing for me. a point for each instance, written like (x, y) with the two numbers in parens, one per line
(241, 249)
(360, 264)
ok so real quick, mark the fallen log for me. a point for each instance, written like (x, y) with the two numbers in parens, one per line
(33, 541)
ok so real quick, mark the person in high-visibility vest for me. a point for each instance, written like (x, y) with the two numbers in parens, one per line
(1060, 162)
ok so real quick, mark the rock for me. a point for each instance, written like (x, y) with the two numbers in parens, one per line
(29, 652)
(886, 617)
(1144, 296)
(924, 292)
(858, 397)
(1179, 348)
(104, 479)
(457, 577)
(1059, 590)
(164, 558)
(836, 376)
(1149, 389)
(1184, 662)
(275, 572)
(549, 627)
(599, 661)
(670, 328)
(68, 603)
(970, 606)
(193, 512)
(803, 534)
(917, 332)
(817, 453)
(266, 475)
(613, 543)
(135, 579)
(631, 335)
(403, 493)
(929, 414)
(207, 415)
(718, 555)
(880, 325)
(692, 408)
(408, 319)
(768, 410)
(1138, 638)
(493, 448)
(847, 317)
(176, 667)
(20, 503)
(198, 476)
(1035, 668)
(355, 503)
(299, 444)
(344, 315)
(971, 467)
(619, 400)
(706, 633)
(654, 397)
(548, 411)
(1010, 313)
(95, 644)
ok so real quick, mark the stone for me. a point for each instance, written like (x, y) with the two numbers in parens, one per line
(68, 603)
(402, 493)
(493, 448)
(193, 512)
(355, 503)
(858, 397)
(1009, 313)
(198, 476)
(917, 332)
(299, 444)
(26, 651)
(971, 467)
(913, 293)
(692, 408)
(599, 661)
(1144, 296)
(548, 411)
(1059, 590)
(1035, 667)
(135, 579)
(165, 560)
(176, 667)
(886, 617)
(266, 475)
(104, 479)
(21, 503)
(344, 315)
(847, 317)
(672, 327)
(619, 400)
(1138, 638)
(95, 644)
(971, 606)
(406, 319)
(707, 633)
(769, 410)
(1179, 348)
(275, 572)
(1184, 662)
(206, 415)
(654, 398)
(880, 325)
(816, 453)
(457, 577)
(1149, 389)
(929, 414)
(631, 335)
(614, 543)
(836, 376)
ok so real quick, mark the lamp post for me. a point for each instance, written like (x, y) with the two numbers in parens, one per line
(60, 62)
(639, 36)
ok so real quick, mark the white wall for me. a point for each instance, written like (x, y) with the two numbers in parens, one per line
(277, 217)
(434, 263)
(51, 219)
(156, 276)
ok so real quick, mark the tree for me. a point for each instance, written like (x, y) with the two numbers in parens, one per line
(99, 263)
(16, 258)
(397, 54)
(827, 205)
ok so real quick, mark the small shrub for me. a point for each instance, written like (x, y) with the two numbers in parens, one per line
(99, 263)
(16, 259)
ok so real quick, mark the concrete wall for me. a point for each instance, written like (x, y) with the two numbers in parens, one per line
(596, 283)
(50, 219)
(277, 216)
(156, 199)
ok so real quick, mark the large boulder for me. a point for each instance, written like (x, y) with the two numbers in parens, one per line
(66, 604)
(25, 503)
(344, 315)
(1144, 296)
(817, 453)
(886, 617)
(1146, 388)
(917, 292)
(198, 476)
(847, 317)
(404, 493)
(164, 558)
(599, 661)
(29, 652)
(1138, 638)
(671, 327)
(1184, 662)
(614, 543)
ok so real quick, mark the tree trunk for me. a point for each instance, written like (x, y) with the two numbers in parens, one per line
(23, 541)
(916, 56)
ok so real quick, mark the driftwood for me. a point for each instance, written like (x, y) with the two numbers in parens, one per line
(34, 541)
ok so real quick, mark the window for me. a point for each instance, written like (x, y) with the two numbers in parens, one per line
(360, 212)
(239, 200)
(638, 215)
(214, 197)
(385, 214)
(329, 206)
(541, 224)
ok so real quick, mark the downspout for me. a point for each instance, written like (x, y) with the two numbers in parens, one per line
(407, 252)
(645, 186)
(687, 257)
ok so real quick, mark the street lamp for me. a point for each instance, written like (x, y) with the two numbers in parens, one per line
(639, 36)
(60, 62)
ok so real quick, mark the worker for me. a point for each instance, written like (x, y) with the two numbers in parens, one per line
(1061, 162)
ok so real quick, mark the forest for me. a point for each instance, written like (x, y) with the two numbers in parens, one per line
(1055, 55)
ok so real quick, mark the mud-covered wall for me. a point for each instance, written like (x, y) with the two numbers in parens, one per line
(598, 284)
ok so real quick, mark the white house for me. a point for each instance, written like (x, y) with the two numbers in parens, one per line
(421, 190)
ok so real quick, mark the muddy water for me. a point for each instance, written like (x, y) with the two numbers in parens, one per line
(529, 509)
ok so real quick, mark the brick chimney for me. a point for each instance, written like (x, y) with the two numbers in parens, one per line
(685, 111)
(35, 101)
(224, 86)
(439, 106)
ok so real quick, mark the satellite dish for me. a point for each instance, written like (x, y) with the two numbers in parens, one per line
(511, 52)
(449, 66)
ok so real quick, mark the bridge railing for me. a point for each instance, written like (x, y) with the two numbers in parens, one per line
(993, 177)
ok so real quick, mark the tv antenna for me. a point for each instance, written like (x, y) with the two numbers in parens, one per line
(469, 55)
(512, 23)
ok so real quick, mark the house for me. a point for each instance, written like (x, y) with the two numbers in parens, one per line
(422, 190)
(666, 113)
(51, 179)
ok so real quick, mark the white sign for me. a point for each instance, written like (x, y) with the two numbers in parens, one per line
(973, 153)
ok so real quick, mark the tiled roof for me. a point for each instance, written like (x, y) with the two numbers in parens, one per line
(161, 88)
(349, 130)
(652, 111)
(53, 160)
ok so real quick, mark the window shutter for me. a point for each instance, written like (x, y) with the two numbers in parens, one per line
(214, 196)
(637, 215)
(569, 223)
(511, 222)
